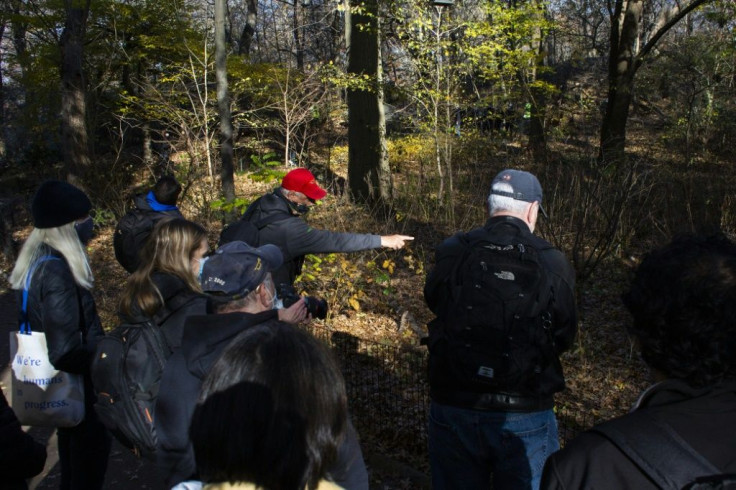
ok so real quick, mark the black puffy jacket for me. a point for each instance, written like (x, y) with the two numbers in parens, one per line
(65, 312)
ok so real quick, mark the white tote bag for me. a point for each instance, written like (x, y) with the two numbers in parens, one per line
(41, 394)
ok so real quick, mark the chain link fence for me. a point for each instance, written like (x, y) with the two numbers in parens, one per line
(389, 396)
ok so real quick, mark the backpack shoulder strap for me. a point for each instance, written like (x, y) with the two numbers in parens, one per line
(25, 326)
(660, 452)
(173, 305)
(273, 218)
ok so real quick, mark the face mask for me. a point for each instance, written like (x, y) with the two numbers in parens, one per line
(201, 266)
(84, 230)
(276, 303)
(301, 208)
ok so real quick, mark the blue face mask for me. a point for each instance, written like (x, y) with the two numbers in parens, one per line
(201, 266)
(85, 230)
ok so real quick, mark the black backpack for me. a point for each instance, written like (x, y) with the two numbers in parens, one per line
(247, 230)
(126, 373)
(662, 454)
(131, 234)
(495, 331)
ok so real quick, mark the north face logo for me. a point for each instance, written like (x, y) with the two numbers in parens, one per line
(505, 275)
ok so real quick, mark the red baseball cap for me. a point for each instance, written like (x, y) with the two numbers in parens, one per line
(302, 180)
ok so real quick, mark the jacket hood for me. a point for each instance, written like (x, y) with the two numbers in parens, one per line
(205, 336)
(140, 202)
(170, 286)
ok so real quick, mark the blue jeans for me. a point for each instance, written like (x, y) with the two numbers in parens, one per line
(468, 448)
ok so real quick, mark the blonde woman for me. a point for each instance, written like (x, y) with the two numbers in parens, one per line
(61, 305)
(165, 287)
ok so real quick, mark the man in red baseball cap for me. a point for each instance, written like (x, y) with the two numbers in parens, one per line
(278, 216)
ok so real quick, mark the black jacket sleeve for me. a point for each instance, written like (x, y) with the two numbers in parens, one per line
(565, 319)
(436, 288)
(20, 455)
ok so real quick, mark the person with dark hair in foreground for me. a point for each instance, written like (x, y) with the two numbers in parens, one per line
(272, 413)
(683, 303)
(238, 278)
(133, 229)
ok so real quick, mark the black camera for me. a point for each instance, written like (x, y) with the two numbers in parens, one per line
(315, 306)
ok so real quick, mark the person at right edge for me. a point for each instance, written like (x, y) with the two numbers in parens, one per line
(505, 309)
(681, 429)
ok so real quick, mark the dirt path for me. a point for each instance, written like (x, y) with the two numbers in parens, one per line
(124, 471)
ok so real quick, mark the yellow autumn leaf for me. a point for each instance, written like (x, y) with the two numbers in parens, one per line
(354, 304)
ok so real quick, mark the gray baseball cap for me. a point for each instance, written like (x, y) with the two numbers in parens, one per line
(526, 186)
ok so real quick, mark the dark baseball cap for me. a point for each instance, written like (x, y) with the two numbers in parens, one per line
(236, 269)
(525, 187)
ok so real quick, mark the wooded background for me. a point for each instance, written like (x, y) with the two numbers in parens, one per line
(625, 108)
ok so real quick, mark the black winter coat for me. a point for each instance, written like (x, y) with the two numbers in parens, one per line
(128, 244)
(203, 340)
(296, 238)
(205, 337)
(67, 314)
(21, 456)
(444, 388)
(180, 302)
(704, 418)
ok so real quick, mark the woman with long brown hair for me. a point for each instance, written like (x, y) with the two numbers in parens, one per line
(165, 287)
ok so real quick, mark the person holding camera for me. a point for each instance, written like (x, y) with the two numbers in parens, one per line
(238, 279)
(279, 218)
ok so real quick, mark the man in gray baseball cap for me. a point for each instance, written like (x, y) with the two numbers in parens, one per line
(521, 187)
(238, 279)
(505, 309)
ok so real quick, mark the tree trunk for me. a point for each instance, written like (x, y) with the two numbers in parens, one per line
(621, 68)
(298, 42)
(246, 37)
(147, 144)
(369, 176)
(223, 103)
(16, 135)
(3, 127)
(75, 140)
(537, 135)
(624, 60)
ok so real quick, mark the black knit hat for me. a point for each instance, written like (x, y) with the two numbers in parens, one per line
(57, 203)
